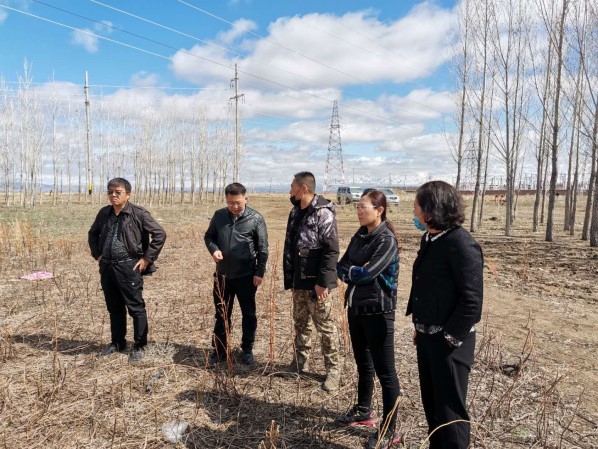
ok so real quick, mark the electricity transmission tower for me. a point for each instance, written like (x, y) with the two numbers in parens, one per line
(335, 172)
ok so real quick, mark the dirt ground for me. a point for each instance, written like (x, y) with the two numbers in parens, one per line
(533, 383)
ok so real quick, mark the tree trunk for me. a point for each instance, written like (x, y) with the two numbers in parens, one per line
(593, 176)
(555, 128)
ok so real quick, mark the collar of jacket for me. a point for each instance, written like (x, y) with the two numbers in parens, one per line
(246, 213)
(126, 209)
(366, 236)
(318, 202)
(109, 209)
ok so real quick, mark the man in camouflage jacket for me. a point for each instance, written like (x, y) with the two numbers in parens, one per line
(309, 265)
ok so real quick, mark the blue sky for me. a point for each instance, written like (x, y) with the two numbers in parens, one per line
(385, 63)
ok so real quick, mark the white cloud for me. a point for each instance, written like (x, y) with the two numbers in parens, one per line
(105, 26)
(322, 50)
(144, 79)
(85, 40)
(240, 28)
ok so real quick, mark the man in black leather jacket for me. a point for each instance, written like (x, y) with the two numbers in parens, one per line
(237, 239)
(119, 239)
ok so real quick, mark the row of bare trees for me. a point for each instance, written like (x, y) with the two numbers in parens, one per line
(174, 153)
(527, 77)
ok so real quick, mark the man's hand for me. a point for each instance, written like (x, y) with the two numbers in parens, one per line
(321, 292)
(257, 281)
(414, 338)
(99, 259)
(217, 256)
(141, 265)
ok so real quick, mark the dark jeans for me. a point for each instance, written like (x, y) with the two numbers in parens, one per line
(225, 290)
(123, 289)
(443, 379)
(372, 338)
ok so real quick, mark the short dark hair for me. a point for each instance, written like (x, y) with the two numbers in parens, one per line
(441, 205)
(307, 178)
(236, 188)
(120, 182)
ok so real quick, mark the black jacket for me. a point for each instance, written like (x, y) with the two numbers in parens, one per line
(370, 267)
(137, 227)
(243, 243)
(313, 260)
(447, 283)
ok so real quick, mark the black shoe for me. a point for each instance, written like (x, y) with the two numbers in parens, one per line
(247, 358)
(215, 359)
(136, 355)
(390, 437)
(113, 349)
(357, 416)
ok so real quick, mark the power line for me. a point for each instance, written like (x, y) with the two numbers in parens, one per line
(299, 53)
(221, 47)
(362, 111)
(86, 32)
(120, 86)
(275, 43)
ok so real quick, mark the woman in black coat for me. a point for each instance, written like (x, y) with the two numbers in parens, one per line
(446, 303)
(370, 267)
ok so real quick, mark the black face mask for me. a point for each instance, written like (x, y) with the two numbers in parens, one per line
(294, 201)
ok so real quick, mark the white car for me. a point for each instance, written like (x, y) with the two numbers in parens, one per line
(346, 195)
(391, 197)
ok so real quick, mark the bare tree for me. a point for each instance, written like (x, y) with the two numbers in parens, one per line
(488, 144)
(483, 19)
(557, 38)
(510, 46)
(573, 149)
(7, 156)
(543, 89)
(461, 66)
(32, 130)
(587, 44)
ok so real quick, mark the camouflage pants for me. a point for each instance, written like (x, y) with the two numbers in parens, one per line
(320, 312)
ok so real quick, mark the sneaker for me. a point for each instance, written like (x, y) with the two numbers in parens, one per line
(357, 416)
(375, 442)
(247, 358)
(136, 355)
(112, 349)
(331, 383)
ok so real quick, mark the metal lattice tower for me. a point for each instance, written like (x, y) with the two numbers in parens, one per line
(335, 171)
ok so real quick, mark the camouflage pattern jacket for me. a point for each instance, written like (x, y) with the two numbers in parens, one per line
(311, 253)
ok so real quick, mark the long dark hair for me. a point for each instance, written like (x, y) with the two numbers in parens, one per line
(441, 205)
(378, 199)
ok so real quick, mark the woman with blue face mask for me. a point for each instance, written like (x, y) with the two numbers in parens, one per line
(445, 303)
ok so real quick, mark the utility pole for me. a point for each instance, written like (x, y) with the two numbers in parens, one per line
(237, 157)
(89, 179)
(335, 171)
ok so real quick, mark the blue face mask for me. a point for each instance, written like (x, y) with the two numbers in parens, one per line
(418, 225)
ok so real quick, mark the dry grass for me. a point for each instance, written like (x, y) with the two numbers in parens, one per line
(532, 384)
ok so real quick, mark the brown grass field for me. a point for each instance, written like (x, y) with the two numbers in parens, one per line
(533, 383)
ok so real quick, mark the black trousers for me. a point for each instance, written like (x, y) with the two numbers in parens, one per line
(372, 339)
(123, 289)
(224, 292)
(443, 378)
